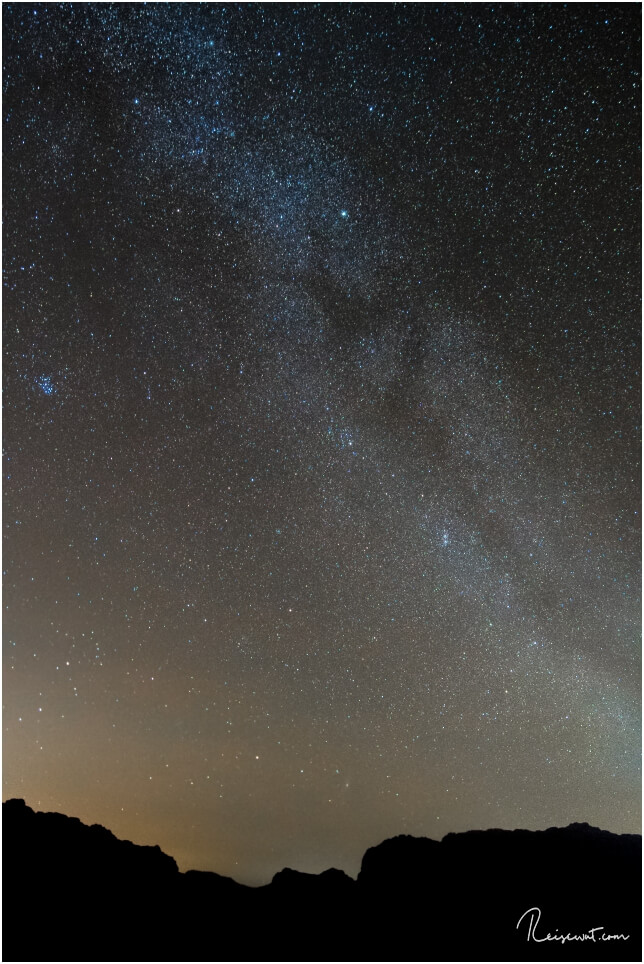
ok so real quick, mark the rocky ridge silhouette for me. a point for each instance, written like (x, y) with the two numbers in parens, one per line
(76, 892)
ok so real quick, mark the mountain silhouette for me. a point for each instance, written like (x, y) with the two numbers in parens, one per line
(74, 892)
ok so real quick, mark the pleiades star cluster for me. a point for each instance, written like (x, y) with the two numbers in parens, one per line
(321, 422)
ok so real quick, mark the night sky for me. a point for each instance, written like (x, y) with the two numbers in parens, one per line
(321, 422)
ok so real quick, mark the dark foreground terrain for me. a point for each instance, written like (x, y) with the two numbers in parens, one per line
(76, 893)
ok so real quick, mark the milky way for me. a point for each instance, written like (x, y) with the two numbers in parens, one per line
(321, 425)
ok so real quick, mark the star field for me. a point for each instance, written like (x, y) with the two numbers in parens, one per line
(321, 424)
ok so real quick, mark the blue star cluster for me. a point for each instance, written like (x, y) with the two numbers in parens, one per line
(321, 426)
